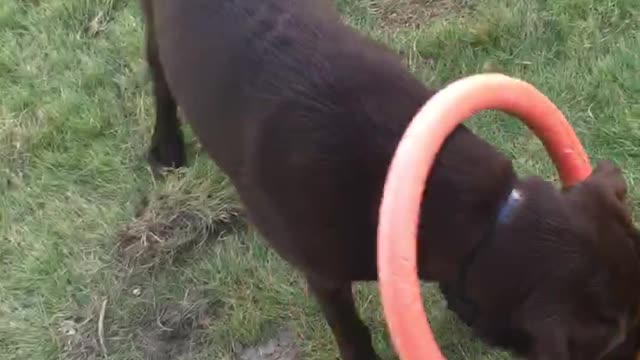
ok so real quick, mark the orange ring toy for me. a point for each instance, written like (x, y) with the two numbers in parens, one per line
(406, 180)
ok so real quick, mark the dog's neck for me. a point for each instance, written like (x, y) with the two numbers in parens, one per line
(465, 193)
(503, 216)
(457, 292)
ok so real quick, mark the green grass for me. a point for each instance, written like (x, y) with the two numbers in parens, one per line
(82, 221)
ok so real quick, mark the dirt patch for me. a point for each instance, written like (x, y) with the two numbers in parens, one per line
(165, 331)
(412, 13)
(176, 329)
(79, 335)
(280, 347)
(78, 345)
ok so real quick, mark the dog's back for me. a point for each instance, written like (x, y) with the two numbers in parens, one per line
(278, 94)
(232, 65)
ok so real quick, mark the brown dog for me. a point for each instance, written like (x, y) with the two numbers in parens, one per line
(303, 114)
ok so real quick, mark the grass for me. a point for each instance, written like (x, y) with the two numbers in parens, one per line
(183, 276)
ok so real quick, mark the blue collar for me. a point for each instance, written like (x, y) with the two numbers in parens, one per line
(505, 212)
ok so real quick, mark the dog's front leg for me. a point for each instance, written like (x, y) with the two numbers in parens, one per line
(351, 334)
(167, 143)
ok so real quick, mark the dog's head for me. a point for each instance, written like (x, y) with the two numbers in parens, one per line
(582, 294)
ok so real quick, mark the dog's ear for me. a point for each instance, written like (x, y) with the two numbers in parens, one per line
(609, 178)
(603, 194)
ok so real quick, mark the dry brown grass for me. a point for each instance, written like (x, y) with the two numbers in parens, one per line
(412, 13)
(182, 216)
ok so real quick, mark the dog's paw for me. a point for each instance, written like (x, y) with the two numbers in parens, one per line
(170, 155)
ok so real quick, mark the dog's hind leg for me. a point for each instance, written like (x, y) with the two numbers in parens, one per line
(167, 142)
(351, 334)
